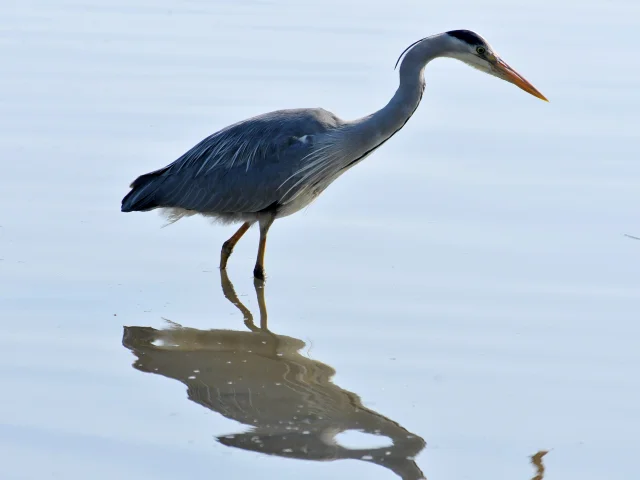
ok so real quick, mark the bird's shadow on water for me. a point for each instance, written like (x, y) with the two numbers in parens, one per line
(260, 379)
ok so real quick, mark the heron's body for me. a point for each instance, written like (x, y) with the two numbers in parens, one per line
(275, 164)
(235, 174)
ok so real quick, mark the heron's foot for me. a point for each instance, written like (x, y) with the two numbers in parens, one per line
(259, 273)
(227, 249)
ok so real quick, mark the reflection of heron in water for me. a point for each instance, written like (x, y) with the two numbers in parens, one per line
(258, 378)
(536, 461)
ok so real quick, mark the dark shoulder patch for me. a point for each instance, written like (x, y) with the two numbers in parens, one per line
(467, 36)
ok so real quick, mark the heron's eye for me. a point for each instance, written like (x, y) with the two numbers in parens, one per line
(481, 50)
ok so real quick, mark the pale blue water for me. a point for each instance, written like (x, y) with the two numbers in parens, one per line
(470, 284)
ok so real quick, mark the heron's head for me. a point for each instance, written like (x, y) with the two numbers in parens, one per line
(472, 49)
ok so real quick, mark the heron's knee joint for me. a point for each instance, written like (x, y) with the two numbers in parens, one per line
(258, 272)
(227, 247)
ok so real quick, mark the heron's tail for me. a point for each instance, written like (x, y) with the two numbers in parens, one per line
(132, 202)
(142, 196)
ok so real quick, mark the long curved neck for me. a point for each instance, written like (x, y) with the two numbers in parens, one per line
(373, 130)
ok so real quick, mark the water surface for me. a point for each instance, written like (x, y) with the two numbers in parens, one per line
(468, 292)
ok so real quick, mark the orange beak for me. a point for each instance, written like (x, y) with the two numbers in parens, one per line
(507, 73)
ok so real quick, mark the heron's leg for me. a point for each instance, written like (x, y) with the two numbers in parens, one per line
(265, 224)
(230, 294)
(262, 304)
(227, 247)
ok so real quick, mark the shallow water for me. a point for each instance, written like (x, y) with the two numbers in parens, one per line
(466, 298)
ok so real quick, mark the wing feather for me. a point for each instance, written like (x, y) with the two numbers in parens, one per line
(239, 169)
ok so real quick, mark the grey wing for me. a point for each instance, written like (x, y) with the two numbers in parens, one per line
(238, 169)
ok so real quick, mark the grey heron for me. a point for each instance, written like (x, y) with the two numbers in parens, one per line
(274, 164)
